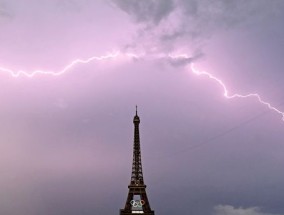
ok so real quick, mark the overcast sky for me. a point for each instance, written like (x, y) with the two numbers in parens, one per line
(66, 140)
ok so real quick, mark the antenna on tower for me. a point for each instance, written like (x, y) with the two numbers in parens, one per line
(136, 110)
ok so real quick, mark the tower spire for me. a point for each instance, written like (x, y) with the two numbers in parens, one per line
(137, 200)
(136, 110)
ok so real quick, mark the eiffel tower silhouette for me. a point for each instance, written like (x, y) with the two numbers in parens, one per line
(137, 201)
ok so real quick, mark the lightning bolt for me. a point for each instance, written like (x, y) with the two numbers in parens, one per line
(226, 92)
(114, 55)
(68, 67)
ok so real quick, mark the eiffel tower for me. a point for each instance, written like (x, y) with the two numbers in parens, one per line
(137, 201)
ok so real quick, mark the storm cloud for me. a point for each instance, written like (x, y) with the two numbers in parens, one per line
(168, 23)
(5, 11)
(230, 210)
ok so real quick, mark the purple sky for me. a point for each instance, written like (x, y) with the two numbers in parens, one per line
(66, 141)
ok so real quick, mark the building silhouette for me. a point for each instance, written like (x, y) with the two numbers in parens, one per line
(137, 201)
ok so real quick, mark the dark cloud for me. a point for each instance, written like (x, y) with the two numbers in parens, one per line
(214, 15)
(177, 61)
(146, 11)
(5, 12)
(230, 210)
(168, 23)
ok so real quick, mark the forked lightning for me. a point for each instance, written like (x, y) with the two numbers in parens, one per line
(114, 55)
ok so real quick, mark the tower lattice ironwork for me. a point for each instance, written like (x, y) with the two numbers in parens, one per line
(137, 201)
